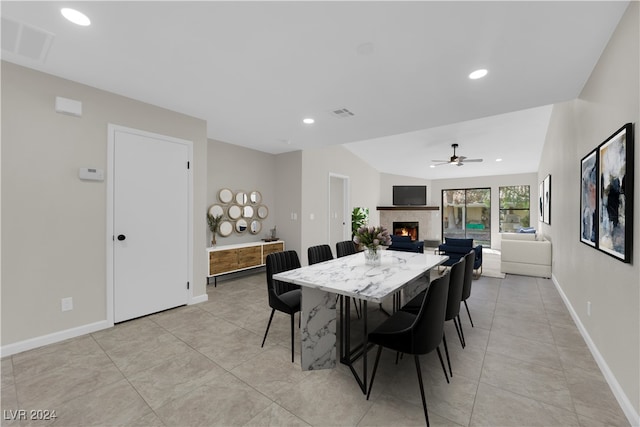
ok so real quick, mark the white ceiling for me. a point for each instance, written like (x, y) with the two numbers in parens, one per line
(254, 70)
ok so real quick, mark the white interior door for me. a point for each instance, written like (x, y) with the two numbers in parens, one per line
(150, 223)
(339, 216)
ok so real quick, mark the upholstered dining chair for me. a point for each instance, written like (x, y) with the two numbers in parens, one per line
(468, 279)
(456, 280)
(319, 253)
(415, 334)
(283, 297)
(345, 248)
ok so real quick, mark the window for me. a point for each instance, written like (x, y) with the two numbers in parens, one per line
(514, 208)
(467, 214)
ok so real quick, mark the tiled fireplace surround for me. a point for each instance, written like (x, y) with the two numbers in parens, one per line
(428, 219)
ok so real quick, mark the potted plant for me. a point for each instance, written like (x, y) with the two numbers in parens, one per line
(214, 224)
(359, 218)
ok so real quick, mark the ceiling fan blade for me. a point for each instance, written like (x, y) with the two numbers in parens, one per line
(440, 161)
(472, 160)
(443, 162)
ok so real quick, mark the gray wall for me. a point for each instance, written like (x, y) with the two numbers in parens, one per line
(609, 99)
(241, 169)
(53, 224)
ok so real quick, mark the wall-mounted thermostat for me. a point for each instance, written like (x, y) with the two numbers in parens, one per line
(90, 174)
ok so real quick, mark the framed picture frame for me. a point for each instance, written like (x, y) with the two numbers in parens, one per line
(589, 199)
(546, 202)
(541, 202)
(615, 194)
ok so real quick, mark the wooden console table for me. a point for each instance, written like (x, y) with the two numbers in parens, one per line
(242, 256)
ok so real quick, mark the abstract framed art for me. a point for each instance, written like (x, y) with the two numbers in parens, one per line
(588, 198)
(541, 202)
(606, 195)
(615, 198)
(546, 200)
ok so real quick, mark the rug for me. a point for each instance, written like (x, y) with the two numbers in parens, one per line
(491, 264)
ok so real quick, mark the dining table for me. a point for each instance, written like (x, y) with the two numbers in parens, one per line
(397, 275)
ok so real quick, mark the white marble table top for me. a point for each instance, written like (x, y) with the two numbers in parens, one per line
(351, 277)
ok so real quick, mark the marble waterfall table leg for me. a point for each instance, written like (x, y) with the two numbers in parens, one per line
(318, 329)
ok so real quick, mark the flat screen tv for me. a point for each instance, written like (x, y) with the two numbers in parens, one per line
(409, 195)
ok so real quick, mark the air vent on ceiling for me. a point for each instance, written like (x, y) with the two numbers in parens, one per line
(341, 113)
(25, 40)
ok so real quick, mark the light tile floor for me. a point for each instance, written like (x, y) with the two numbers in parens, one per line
(525, 364)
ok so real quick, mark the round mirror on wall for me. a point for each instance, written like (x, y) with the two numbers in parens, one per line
(262, 211)
(234, 212)
(247, 212)
(225, 195)
(216, 210)
(225, 228)
(241, 226)
(242, 198)
(255, 226)
(255, 197)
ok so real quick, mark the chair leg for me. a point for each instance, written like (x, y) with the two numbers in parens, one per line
(469, 314)
(424, 401)
(268, 325)
(442, 364)
(375, 368)
(292, 329)
(446, 351)
(458, 325)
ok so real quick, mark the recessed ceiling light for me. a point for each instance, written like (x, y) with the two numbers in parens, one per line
(308, 121)
(498, 160)
(432, 166)
(478, 74)
(76, 17)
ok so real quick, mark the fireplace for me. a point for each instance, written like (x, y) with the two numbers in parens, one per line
(406, 229)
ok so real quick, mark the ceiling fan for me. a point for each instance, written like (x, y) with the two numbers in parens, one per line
(454, 160)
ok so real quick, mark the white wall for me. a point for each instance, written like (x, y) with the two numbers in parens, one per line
(609, 99)
(53, 224)
(364, 191)
(289, 199)
(494, 183)
(241, 169)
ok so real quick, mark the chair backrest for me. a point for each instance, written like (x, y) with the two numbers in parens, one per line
(455, 289)
(345, 248)
(319, 253)
(469, 260)
(278, 262)
(429, 324)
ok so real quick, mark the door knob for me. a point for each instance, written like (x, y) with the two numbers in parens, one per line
(121, 237)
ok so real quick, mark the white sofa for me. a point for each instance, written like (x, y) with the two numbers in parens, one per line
(525, 254)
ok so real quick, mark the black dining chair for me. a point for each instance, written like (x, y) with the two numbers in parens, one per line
(319, 253)
(415, 334)
(283, 297)
(345, 248)
(468, 279)
(456, 280)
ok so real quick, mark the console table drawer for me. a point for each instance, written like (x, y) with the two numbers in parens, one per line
(231, 258)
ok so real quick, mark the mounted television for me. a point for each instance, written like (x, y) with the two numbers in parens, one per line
(408, 195)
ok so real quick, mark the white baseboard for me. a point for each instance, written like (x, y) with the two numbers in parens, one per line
(200, 298)
(18, 347)
(618, 392)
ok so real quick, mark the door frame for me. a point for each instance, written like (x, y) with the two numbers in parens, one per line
(345, 203)
(110, 285)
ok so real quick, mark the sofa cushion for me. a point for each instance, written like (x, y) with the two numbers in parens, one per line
(466, 243)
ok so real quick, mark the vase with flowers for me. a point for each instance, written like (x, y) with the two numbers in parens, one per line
(370, 239)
